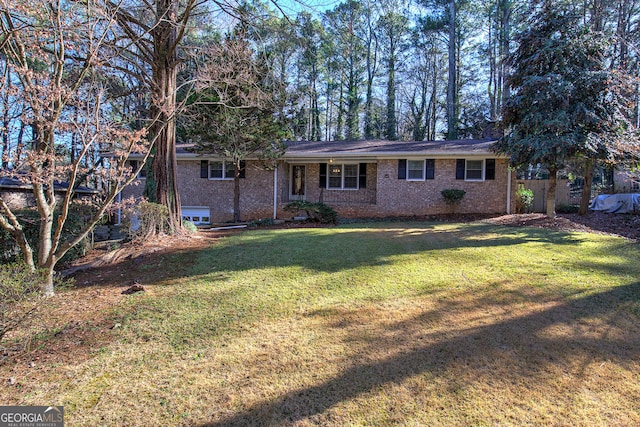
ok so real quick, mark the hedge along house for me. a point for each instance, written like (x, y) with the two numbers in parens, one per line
(357, 178)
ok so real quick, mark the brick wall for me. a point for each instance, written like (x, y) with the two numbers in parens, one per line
(256, 192)
(395, 197)
(385, 195)
(402, 197)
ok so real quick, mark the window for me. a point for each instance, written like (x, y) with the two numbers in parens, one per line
(341, 177)
(220, 170)
(416, 170)
(350, 176)
(476, 170)
(473, 170)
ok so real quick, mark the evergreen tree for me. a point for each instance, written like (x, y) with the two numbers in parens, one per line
(234, 111)
(566, 103)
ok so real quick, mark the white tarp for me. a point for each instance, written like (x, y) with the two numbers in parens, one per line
(616, 203)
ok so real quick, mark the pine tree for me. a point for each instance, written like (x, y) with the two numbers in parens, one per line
(565, 102)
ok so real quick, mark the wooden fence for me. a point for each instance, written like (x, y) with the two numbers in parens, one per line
(565, 195)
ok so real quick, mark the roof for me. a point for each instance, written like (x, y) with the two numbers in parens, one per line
(389, 149)
(373, 149)
(15, 184)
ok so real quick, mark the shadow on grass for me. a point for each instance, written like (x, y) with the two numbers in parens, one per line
(322, 249)
(523, 338)
(343, 248)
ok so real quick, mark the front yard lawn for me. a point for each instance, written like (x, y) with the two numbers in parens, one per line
(361, 324)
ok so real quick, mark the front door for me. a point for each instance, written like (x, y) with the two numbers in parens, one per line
(298, 182)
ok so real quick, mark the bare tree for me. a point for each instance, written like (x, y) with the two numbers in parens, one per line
(55, 54)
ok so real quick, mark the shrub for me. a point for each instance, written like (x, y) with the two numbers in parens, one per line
(189, 226)
(147, 219)
(453, 196)
(261, 222)
(20, 296)
(524, 199)
(315, 211)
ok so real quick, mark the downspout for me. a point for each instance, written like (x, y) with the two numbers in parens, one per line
(275, 191)
(508, 190)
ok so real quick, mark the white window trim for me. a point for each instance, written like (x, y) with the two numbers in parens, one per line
(424, 170)
(224, 177)
(484, 170)
(342, 168)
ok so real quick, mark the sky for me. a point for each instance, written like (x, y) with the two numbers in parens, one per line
(292, 7)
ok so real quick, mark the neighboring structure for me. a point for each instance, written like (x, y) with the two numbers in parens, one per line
(356, 178)
(19, 195)
(626, 181)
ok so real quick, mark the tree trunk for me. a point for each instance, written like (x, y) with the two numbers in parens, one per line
(551, 193)
(165, 65)
(452, 122)
(589, 166)
(236, 191)
(47, 285)
(391, 99)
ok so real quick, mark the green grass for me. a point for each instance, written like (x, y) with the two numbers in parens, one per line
(269, 274)
(373, 324)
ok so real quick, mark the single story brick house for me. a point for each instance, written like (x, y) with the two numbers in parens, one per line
(365, 178)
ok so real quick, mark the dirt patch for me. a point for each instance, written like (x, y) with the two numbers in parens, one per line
(624, 225)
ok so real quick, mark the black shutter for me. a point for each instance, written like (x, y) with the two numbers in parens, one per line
(204, 169)
(243, 169)
(134, 165)
(362, 175)
(460, 164)
(402, 168)
(431, 169)
(323, 175)
(490, 169)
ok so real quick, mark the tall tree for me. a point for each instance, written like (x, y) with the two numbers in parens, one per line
(566, 102)
(452, 100)
(154, 31)
(345, 24)
(310, 36)
(394, 28)
(233, 112)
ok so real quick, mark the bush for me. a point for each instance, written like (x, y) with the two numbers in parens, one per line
(21, 300)
(189, 226)
(315, 211)
(524, 199)
(147, 219)
(453, 196)
(261, 222)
